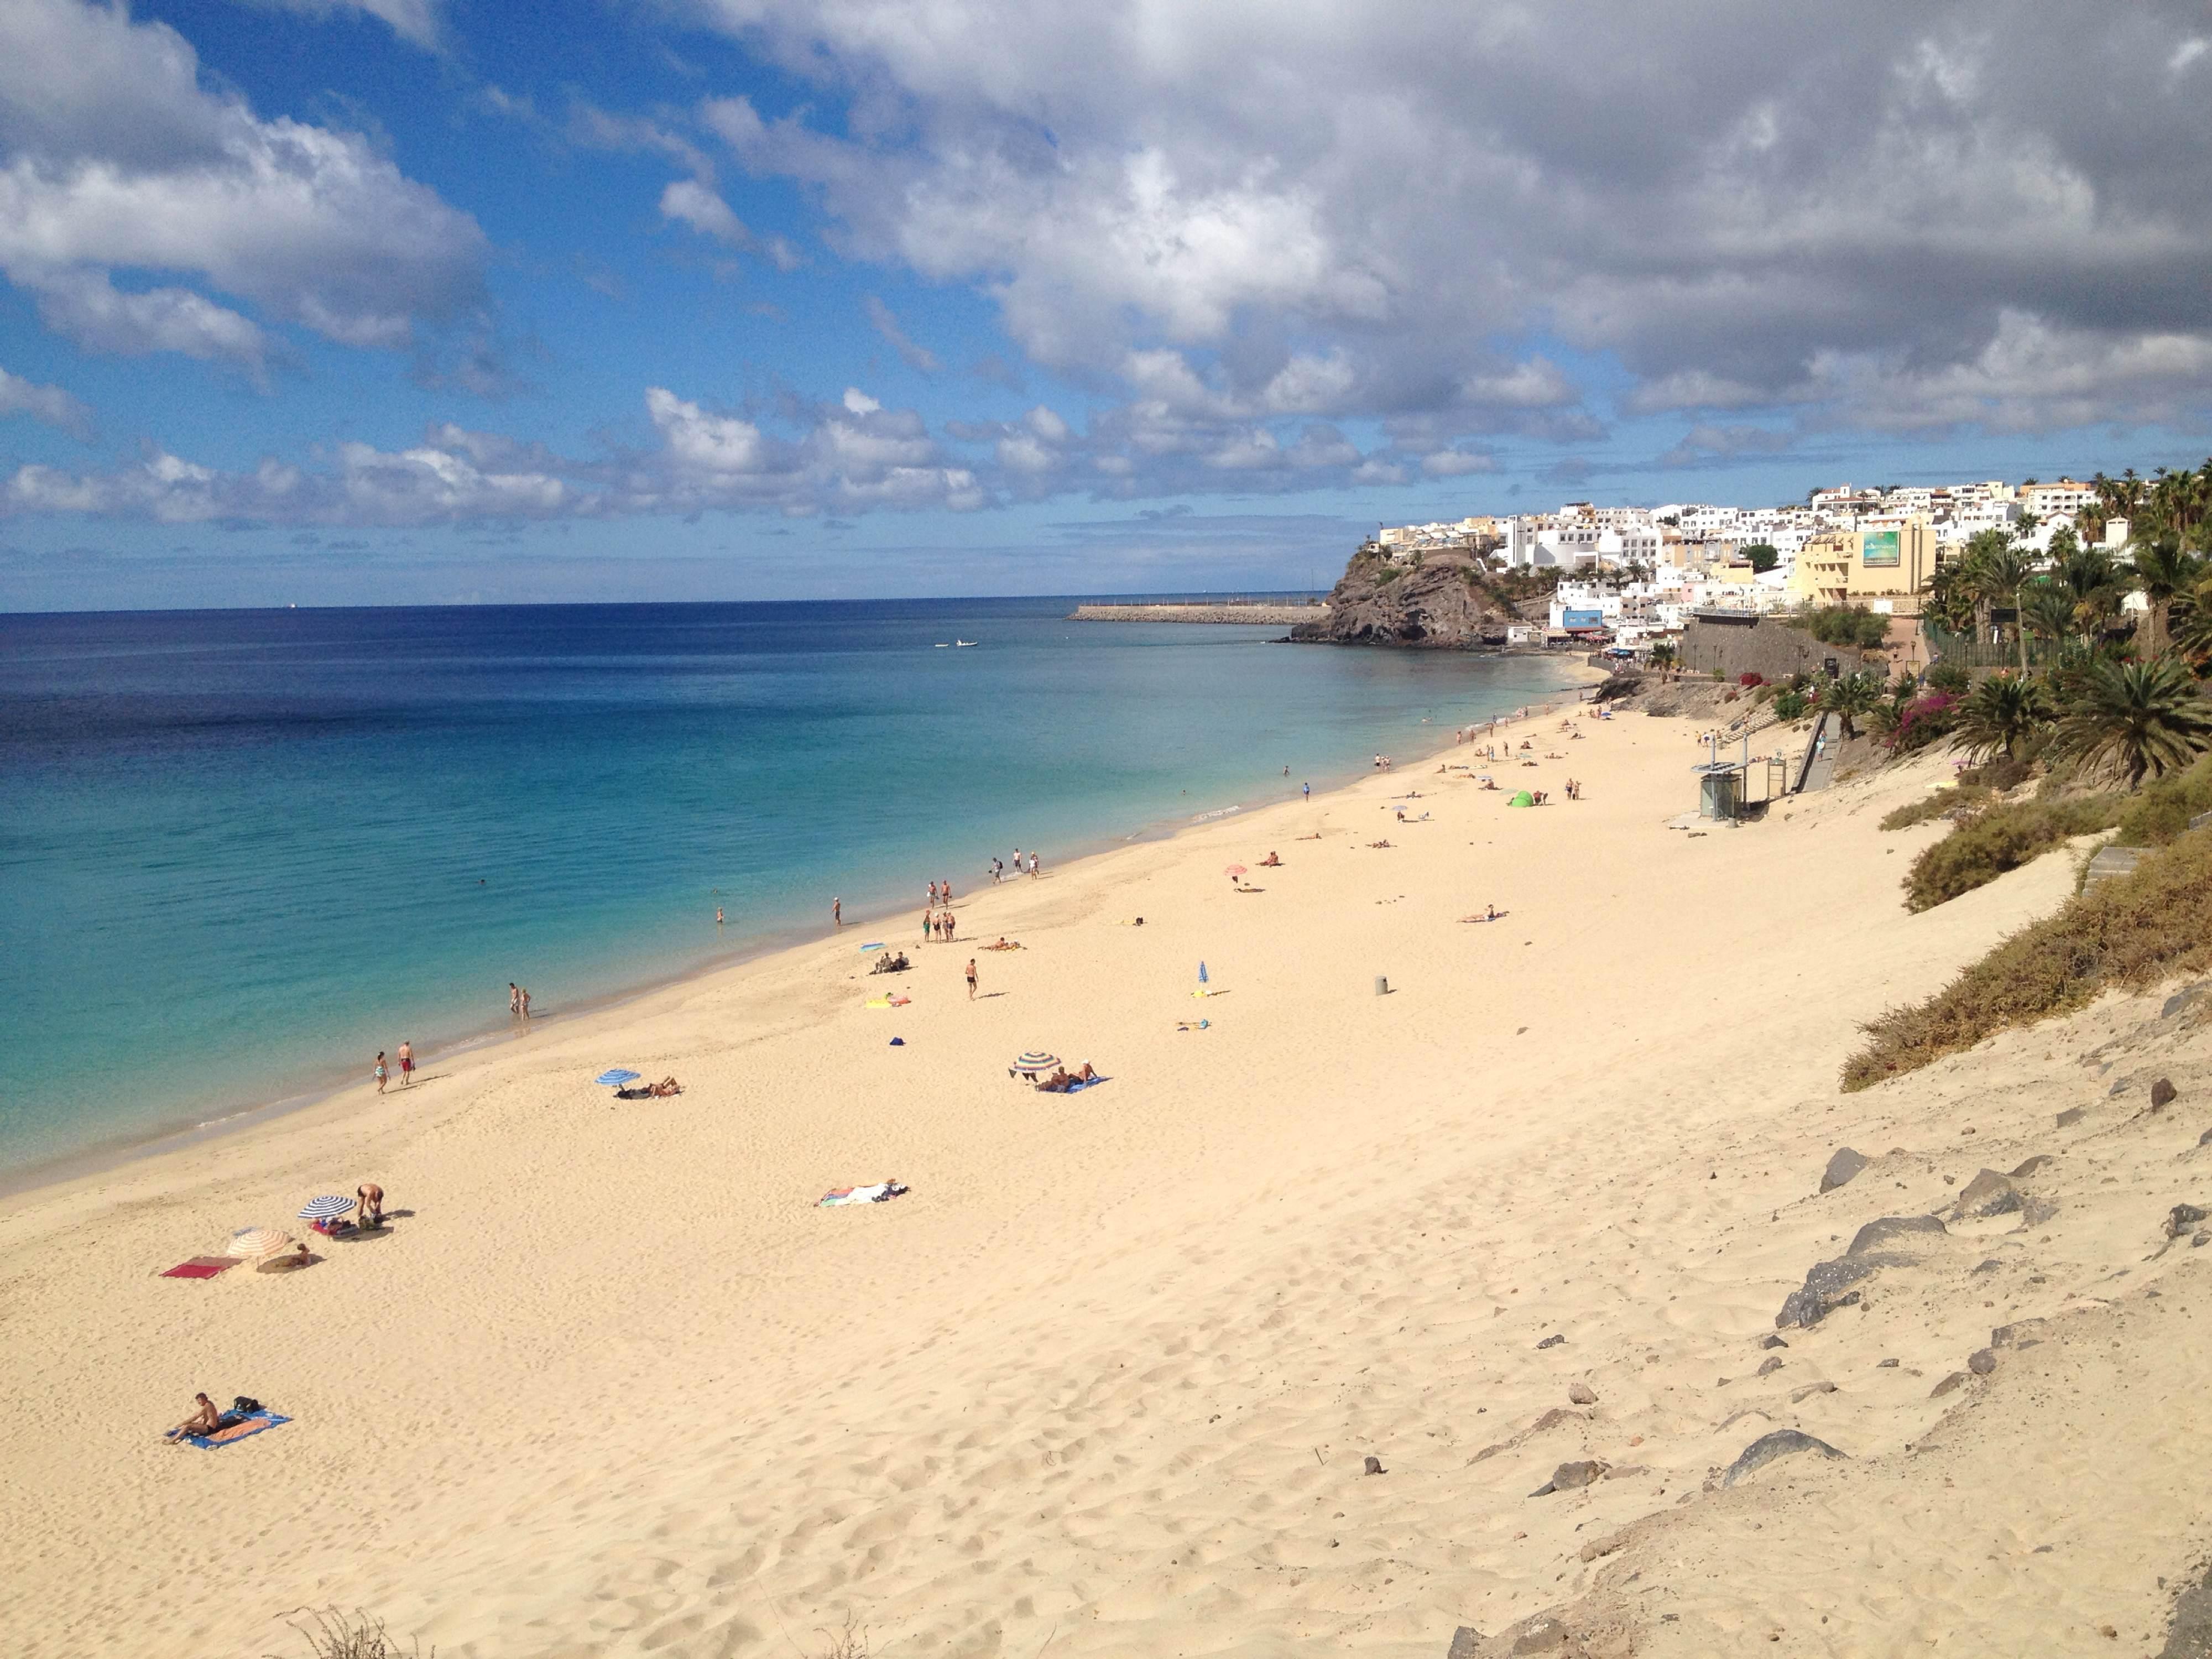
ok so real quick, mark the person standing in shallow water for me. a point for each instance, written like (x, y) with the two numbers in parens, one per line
(514, 998)
(837, 912)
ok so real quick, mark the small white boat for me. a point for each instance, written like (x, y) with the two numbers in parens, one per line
(965, 644)
(942, 645)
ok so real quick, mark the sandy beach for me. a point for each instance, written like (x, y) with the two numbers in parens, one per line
(1105, 1381)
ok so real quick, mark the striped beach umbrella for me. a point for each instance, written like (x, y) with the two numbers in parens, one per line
(329, 1208)
(616, 1078)
(249, 1243)
(1035, 1061)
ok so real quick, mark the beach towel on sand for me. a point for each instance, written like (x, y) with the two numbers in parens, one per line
(881, 1192)
(236, 1426)
(201, 1267)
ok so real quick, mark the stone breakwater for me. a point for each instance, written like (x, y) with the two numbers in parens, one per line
(1272, 614)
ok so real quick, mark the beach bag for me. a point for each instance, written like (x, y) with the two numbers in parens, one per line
(244, 1403)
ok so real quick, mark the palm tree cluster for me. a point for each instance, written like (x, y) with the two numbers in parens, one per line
(2118, 694)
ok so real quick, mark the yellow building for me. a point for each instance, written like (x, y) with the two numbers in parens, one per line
(1883, 569)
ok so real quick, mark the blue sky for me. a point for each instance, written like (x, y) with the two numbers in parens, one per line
(429, 301)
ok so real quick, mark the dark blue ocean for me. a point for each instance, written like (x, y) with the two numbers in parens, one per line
(241, 851)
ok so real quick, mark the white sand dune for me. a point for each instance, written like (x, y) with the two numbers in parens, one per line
(1104, 1382)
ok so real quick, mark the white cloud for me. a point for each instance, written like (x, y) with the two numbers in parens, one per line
(699, 207)
(48, 404)
(1260, 208)
(917, 357)
(418, 20)
(112, 158)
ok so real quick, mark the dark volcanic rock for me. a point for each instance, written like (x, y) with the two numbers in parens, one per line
(1571, 1477)
(1375, 1465)
(1825, 1289)
(1892, 1230)
(1956, 1380)
(1988, 1194)
(2161, 1094)
(2069, 1117)
(1783, 1443)
(1444, 602)
(1466, 1644)
(1982, 1361)
(2181, 1218)
(2028, 1168)
(1551, 1341)
(1770, 1365)
(1841, 1168)
(1582, 1394)
(1771, 1340)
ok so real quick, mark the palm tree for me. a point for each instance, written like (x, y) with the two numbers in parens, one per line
(1663, 656)
(1998, 570)
(2164, 570)
(2190, 621)
(2135, 719)
(2046, 610)
(2002, 712)
(2095, 578)
(1849, 696)
(1950, 601)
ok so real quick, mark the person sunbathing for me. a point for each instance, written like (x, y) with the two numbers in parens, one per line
(1378, 843)
(205, 1419)
(666, 1087)
(1270, 861)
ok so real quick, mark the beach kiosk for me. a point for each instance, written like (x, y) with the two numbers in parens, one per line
(1722, 789)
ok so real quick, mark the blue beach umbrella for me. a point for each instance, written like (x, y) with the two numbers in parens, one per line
(616, 1078)
(327, 1208)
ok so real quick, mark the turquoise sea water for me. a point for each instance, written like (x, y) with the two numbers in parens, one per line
(242, 851)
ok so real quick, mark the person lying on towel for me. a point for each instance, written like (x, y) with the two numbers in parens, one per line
(1059, 1081)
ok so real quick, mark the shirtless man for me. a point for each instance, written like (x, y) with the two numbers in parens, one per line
(205, 1420)
(406, 1064)
(372, 1203)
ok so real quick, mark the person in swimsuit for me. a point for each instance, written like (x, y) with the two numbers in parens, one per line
(406, 1064)
(837, 912)
(382, 1075)
(371, 1204)
(971, 979)
(206, 1418)
(514, 998)
(525, 1002)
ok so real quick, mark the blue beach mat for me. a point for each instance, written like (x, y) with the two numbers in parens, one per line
(240, 1428)
(1086, 1082)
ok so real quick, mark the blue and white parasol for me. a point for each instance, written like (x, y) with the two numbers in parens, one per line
(329, 1208)
(616, 1078)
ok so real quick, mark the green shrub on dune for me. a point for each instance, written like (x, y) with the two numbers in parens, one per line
(2003, 838)
(2125, 934)
(2161, 812)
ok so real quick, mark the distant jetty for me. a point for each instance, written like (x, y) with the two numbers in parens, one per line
(1214, 611)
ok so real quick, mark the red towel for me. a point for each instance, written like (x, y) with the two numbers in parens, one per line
(201, 1267)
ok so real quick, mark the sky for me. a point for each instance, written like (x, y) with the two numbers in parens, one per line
(418, 301)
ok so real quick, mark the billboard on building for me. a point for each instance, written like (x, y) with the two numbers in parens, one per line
(1878, 549)
(1574, 619)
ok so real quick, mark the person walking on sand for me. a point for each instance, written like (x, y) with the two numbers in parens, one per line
(1033, 863)
(406, 1064)
(971, 979)
(1306, 789)
(514, 998)
(381, 1075)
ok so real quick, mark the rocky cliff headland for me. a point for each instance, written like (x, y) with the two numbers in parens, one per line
(1444, 600)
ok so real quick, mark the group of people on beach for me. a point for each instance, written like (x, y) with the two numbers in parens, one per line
(517, 996)
(406, 1059)
(937, 927)
(999, 870)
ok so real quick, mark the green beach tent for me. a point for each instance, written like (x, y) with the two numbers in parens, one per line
(1522, 798)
